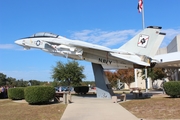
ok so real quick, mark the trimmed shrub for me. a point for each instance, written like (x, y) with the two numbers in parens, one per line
(16, 93)
(39, 94)
(76, 89)
(172, 88)
(81, 89)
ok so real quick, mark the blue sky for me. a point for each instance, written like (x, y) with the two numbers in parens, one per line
(105, 22)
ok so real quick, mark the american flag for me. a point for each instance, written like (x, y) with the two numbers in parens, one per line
(140, 5)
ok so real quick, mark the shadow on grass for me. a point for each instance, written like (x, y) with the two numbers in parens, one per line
(173, 97)
(44, 103)
(39, 103)
(85, 95)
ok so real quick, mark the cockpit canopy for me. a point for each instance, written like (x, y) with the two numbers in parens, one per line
(45, 34)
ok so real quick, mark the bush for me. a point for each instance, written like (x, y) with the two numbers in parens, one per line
(76, 89)
(16, 93)
(39, 94)
(81, 89)
(172, 88)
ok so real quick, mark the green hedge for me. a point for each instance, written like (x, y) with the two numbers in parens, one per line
(81, 89)
(16, 93)
(39, 94)
(172, 88)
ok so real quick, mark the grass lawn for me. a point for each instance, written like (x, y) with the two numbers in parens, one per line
(161, 107)
(10, 110)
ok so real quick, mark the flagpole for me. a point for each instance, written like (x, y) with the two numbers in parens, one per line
(140, 9)
(143, 25)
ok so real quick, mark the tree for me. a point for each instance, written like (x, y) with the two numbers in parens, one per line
(70, 73)
(55, 83)
(125, 75)
(2, 79)
(154, 73)
(111, 77)
(34, 82)
(87, 83)
(21, 83)
(11, 81)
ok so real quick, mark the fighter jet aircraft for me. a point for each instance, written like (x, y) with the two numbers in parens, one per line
(136, 53)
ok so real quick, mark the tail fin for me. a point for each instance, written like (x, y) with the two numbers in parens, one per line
(146, 42)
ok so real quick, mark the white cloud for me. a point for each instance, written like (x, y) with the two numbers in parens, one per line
(112, 38)
(13, 47)
(105, 38)
(10, 47)
(171, 33)
(7, 46)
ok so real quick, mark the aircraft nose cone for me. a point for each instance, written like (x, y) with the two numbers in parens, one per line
(19, 42)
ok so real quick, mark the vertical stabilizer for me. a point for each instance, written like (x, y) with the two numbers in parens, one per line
(157, 44)
(146, 42)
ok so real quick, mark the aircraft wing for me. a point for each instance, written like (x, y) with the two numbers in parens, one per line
(169, 60)
(89, 46)
(125, 56)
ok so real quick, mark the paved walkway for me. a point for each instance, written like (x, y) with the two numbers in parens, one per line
(91, 108)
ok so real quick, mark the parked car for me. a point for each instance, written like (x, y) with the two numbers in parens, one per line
(56, 89)
(64, 88)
